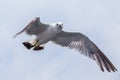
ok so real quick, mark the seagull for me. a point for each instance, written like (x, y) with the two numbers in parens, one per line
(73, 40)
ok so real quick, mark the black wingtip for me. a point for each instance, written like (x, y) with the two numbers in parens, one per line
(106, 63)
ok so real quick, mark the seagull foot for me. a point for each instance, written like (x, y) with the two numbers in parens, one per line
(37, 48)
(27, 45)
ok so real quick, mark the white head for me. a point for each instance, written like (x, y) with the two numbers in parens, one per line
(59, 26)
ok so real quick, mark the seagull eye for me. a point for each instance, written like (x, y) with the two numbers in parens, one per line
(57, 24)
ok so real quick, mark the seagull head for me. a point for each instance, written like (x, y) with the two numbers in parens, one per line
(59, 25)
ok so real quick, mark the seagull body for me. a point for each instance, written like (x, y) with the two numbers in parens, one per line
(73, 40)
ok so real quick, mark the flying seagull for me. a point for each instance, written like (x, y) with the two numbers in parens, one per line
(73, 40)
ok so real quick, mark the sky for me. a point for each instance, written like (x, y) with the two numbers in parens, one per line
(97, 19)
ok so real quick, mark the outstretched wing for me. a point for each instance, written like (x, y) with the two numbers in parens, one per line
(34, 27)
(81, 43)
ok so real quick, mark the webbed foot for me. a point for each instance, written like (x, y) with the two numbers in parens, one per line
(37, 48)
(27, 45)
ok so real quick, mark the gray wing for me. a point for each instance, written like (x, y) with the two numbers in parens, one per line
(34, 27)
(81, 43)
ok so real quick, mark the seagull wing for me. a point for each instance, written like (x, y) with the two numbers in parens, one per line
(33, 28)
(84, 45)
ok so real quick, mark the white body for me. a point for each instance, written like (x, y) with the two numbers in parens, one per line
(47, 35)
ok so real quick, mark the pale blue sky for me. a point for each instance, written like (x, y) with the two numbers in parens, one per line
(98, 19)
